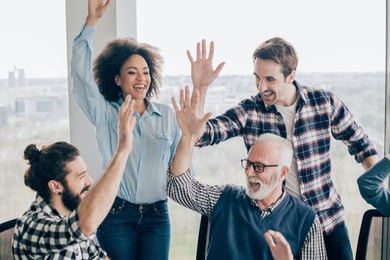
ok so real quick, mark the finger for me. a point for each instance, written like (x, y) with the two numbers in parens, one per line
(270, 241)
(198, 51)
(174, 104)
(106, 4)
(204, 49)
(206, 117)
(127, 106)
(190, 56)
(182, 99)
(211, 51)
(279, 238)
(187, 96)
(219, 68)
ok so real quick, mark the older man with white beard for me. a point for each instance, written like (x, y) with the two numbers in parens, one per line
(260, 221)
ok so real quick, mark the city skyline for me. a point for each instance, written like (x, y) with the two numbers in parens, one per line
(338, 39)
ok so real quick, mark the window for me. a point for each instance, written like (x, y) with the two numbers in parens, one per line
(33, 92)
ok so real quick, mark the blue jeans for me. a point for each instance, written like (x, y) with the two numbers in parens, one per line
(136, 231)
(338, 246)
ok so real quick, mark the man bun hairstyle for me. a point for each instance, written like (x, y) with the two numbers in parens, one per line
(47, 164)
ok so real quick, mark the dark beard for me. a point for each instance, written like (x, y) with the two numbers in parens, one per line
(70, 200)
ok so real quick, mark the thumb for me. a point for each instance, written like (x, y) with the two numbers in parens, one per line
(206, 117)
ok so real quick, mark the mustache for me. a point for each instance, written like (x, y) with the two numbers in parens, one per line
(85, 189)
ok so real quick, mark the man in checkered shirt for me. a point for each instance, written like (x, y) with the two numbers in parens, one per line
(308, 117)
(62, 221)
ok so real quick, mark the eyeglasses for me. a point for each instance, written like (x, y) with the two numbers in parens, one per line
(257, 167)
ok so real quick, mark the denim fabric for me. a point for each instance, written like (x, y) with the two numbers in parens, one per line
(338, 246)
(136, 231)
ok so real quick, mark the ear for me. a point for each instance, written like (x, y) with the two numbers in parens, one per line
(290, 78)
(117, 80)
(284, 173)
(55, 187)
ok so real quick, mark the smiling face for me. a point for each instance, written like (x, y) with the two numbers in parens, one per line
(134, 78)
(266, 184)
(77, 183)
(274, 88)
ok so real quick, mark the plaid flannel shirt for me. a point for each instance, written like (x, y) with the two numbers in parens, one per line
(319, 115)
(41, 233)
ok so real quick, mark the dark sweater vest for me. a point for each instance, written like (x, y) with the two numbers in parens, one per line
(237, 229)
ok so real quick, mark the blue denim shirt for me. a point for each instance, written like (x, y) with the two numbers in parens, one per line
(156, 133)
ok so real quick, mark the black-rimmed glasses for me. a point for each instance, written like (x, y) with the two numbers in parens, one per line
(257, 167)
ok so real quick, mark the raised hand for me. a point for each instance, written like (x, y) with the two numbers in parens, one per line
(190, 121)
(202, 72)
(126, 123)
(96, 9)
(280, 248)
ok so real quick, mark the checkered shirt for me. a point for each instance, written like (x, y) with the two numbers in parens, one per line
(41, 233)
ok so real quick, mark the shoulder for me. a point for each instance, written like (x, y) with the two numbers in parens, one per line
(317, 96)
(235, 192)
(311, 92)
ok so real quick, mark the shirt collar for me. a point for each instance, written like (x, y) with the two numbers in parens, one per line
(151, 107)
(265, 212)
(47, 208)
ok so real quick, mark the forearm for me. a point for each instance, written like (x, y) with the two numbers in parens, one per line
(183, 157)
(95, 206)
(91, 20)
(188, 192)
(370, 161)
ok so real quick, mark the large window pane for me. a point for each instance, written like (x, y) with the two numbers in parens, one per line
(338, 50)
(33, 91)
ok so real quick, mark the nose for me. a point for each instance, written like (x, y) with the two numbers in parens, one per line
(250, 172)
(140, 76)
(261, 86)
(89, 181)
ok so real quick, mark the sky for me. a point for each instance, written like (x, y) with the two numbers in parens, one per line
(332, 35)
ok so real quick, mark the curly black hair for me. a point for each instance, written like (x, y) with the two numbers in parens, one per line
(109, 62)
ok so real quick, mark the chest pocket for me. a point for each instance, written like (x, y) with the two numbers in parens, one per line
(163, 145)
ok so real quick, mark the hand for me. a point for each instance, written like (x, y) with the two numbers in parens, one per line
(96, 9)
(190, 122)
(126, 123)
(202, 72)
(280, 248)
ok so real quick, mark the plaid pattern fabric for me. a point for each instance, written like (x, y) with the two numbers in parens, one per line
(202, 198)
(319, 116)
(41, 233)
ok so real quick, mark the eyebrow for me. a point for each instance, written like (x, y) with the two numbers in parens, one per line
(133, 67)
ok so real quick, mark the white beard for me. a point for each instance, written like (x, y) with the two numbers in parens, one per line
(263, 191)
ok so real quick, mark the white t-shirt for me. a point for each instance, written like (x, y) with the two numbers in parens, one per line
(292, 184)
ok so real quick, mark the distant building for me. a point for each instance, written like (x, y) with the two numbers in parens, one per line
(32, 98)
